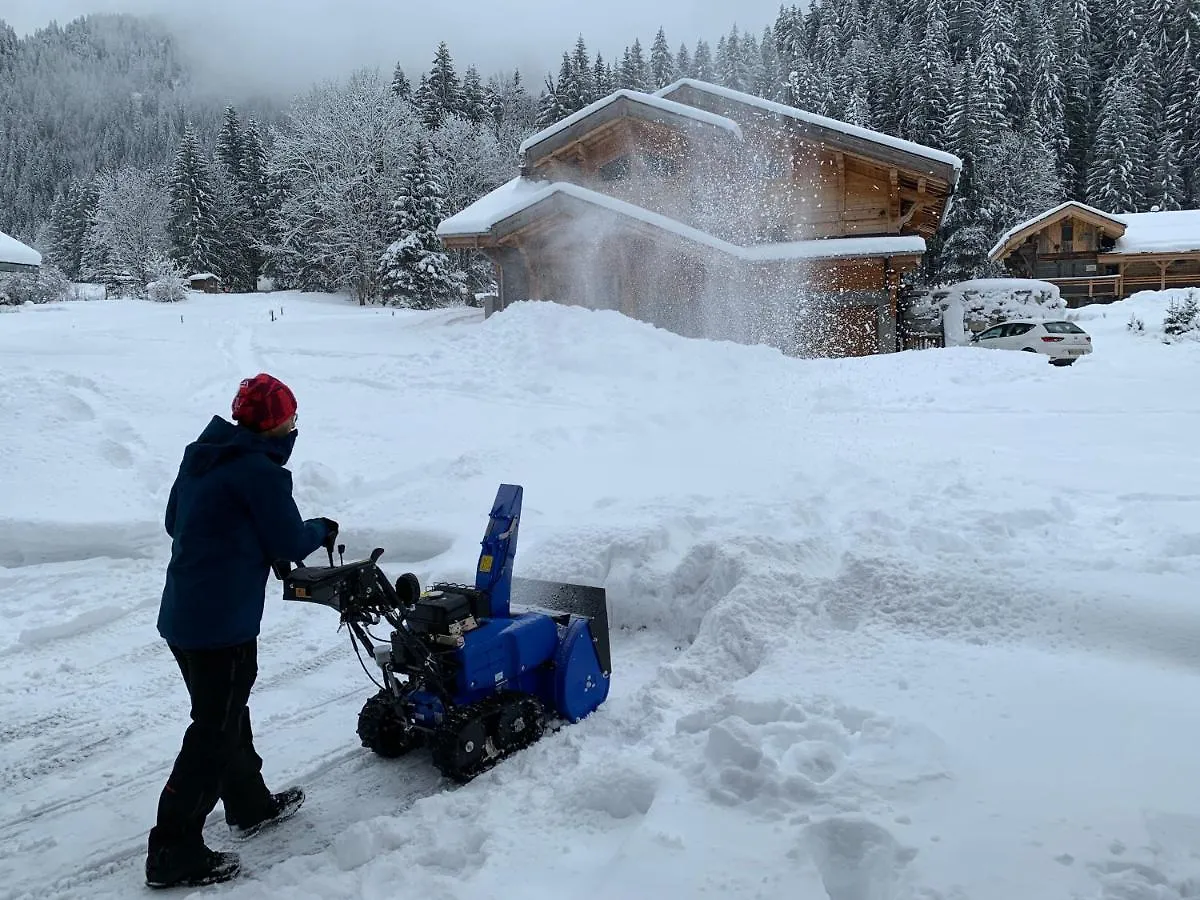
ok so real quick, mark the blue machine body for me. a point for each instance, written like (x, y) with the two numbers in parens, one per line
(551, 654)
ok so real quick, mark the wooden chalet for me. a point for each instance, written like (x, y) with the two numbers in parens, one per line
(18, 257)
(205, 282)
(1095, 257)
(715, 213)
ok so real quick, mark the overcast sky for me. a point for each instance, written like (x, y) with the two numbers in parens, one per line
(265, 44)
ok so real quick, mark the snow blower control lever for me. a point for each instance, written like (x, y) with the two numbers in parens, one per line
(463, 672)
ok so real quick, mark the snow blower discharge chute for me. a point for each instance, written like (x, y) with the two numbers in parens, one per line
(464, 673)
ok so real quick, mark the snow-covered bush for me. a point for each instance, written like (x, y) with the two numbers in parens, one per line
(168, 284)
(982, 302)
(48, 285)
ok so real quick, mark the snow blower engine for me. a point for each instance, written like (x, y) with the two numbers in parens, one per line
(463, 672)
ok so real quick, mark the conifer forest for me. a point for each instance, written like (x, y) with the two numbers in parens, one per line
(122, 171)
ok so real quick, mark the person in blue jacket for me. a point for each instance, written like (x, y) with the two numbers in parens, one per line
(230, 515)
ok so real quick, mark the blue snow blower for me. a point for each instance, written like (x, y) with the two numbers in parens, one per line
(463, 672)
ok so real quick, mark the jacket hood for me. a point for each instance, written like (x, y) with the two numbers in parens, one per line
(222, 441)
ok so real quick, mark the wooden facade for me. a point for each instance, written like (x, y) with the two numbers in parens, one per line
(1093, 257)
(712, 214)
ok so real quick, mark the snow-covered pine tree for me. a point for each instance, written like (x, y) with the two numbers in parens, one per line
(662, 63)
(1119, 157)
(683, 61)
(230, 144)
(195, 237)
(583, 74)
(635, 71)
(428, 105)
(401, 88)
(769, 79)
(70, 221)
(1046, 113)
(602, 78)
(444, 85)
(415, 270)
(551, 106)
(567, 91)
(702, 62)
(474, 97)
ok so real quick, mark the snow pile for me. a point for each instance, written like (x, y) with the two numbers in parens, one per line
(881, 626)
(1171, 316)
(970, 306)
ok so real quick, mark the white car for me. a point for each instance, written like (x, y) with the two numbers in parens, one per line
(1064, 342)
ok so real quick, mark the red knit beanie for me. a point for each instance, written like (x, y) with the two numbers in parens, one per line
(263, 402)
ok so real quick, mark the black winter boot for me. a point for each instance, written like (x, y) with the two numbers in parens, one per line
(284, 805)
(169, 867)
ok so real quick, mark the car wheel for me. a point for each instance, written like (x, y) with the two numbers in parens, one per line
(1028, 350)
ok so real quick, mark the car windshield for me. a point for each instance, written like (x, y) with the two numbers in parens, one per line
(1063, 328)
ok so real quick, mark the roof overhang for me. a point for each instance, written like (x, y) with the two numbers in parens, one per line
(17, 267)
(623, 104)
(1016, 235)
(531, 207)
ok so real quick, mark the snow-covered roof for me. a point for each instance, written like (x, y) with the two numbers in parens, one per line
(792, 112)
(1046, 216)
(203, 276)
(652, 100)
(1169, 231)
(521, 193)
(15, 253)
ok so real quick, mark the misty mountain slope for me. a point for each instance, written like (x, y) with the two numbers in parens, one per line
(104, 90)
(915, 627)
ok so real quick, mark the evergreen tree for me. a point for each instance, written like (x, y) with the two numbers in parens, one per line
(429, 106)
(635, 71)
(401, 88)
(230, 145)
(444, 84)
(602, 78)
(583, 75)
(1115, 182)
(415, 270)
(662, 64)
(70, 222)
(683, 62)
(1048, 103)
(702, 63)
(193, 230)
(474, 98)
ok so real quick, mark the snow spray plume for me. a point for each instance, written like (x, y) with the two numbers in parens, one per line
(697, 286)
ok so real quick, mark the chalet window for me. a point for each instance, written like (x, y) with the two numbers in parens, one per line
(1068, 237)
(618, 168)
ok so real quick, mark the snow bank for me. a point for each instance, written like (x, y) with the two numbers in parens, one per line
(880, 625)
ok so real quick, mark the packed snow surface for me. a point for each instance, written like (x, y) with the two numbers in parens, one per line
(912, 627)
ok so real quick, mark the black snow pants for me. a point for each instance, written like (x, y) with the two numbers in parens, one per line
(217, 760)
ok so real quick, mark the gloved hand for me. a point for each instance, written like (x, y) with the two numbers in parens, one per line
(331, 531)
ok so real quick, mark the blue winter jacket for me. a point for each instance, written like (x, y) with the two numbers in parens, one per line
(230, 514)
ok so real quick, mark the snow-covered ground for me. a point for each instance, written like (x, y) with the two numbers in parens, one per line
(913, 626)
